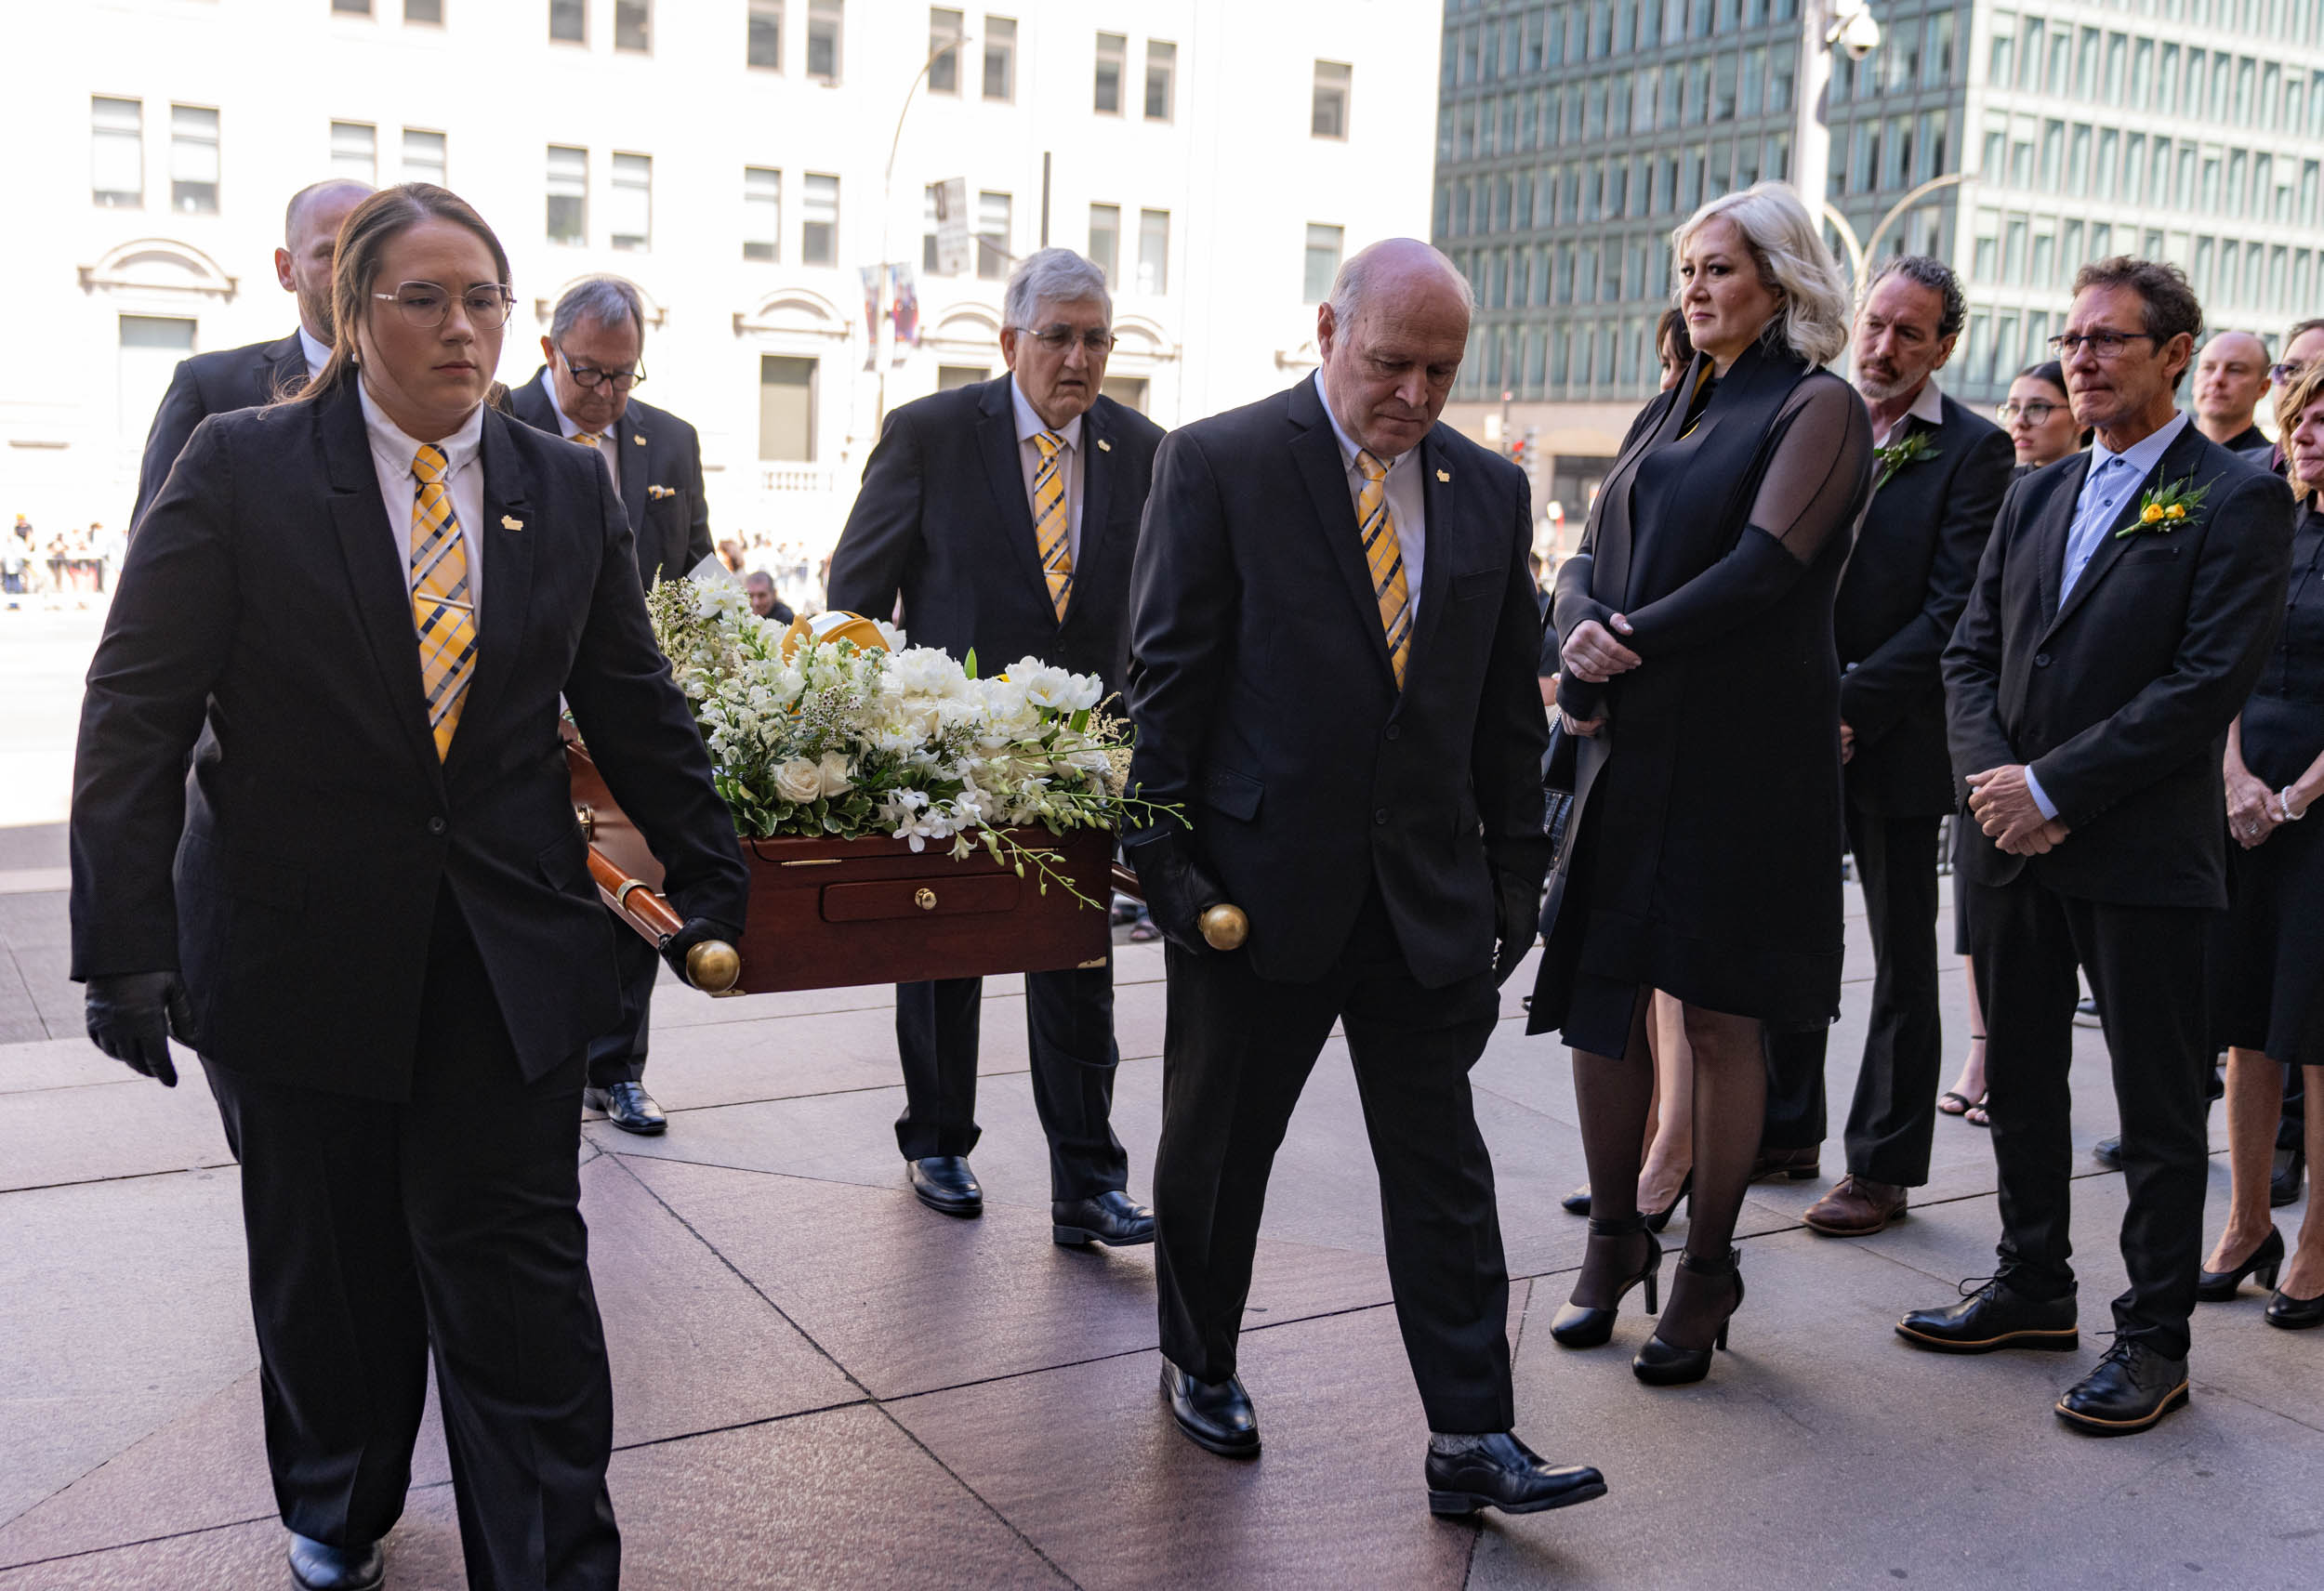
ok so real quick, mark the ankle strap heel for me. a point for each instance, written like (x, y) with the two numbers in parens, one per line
(1616, 1225)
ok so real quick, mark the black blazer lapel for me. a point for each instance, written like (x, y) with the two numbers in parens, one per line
(1097, 497)
(2176, 460)
(996, 442)
(377, 578)
(506, 544)
(2049, 540)
(636, 461)
(1316, 452)
(1441, 488)
(286, 368)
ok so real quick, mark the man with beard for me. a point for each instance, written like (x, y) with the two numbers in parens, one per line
(244, 377)
(1938, 479)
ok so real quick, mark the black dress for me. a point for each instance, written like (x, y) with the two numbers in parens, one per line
(2268, 960)
(1706, 859)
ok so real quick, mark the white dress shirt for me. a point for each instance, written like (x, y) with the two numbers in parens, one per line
(1030, 425)
(2107, 486)
(1407, 497)
(317, 355)
(608, 441)
(391, 455)
(1929, 406)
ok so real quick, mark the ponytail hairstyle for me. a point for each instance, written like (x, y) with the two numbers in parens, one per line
(368, 230)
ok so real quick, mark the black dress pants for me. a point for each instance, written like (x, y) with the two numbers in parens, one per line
(1893, 1119)
(1069, 1028)
(619, 1055)
(1795, 1117)
(380, 1231)
(2146, 968)
(1236, 1051)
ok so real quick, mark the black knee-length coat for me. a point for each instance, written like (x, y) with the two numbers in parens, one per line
(1707, 826)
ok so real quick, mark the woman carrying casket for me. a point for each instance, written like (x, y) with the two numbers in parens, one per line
(368, 910)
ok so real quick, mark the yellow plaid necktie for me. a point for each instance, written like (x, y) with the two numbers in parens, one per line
(585, 439)
(443, 611)
(1385, 557)
(1048, 519)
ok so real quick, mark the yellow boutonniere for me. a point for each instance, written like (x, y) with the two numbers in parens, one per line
(2167, 507)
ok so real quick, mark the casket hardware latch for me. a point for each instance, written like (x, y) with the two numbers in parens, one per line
(586, 817)
(925, 899)
(817, 862)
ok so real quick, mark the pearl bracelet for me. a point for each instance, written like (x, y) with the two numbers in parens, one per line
(2283, 807)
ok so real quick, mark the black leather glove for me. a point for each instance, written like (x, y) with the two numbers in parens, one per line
(1179, 888)
(132, 1017)
(1517, 906)
(697, 929)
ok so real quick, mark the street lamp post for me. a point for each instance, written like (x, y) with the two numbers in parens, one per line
(883, 317)
(1825, 25)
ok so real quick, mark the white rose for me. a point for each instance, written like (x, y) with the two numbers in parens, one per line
(797, 781)
(832, 776)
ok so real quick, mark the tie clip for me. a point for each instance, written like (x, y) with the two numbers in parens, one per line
(510, 523)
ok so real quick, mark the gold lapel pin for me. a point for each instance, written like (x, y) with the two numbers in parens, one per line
(1104, 446)
(639, 441)
(1445, 476)
(510, 523)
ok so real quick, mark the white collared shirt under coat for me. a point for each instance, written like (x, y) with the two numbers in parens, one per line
(1030, 425)
(608, 441)
(1929, 406)
(1407, 498)
(391, 456)
(316, 353)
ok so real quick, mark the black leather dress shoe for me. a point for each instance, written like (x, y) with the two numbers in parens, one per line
(316, 1566)
(1214, 1415)
(1503, 1473)
(2130, 1390)
(629, 1107)
(2107, 1153)
(1113, 1218)
(2294, 1314)
(944, 1182)
(1993, 1317)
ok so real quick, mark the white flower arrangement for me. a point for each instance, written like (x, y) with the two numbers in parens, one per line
(813, 735)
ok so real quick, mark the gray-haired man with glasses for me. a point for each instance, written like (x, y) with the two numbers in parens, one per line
(595, 352)
(1003, 518)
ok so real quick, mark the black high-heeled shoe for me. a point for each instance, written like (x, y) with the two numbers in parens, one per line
(2218, 1286)
(2295, 1314)
(1578, 1325)
(1661, 1218)
(1659, 1364)
(1577, 1201)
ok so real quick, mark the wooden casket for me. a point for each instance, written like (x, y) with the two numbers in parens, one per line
(828, 912)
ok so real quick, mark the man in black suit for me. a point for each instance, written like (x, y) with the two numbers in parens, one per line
(1004, 515)
(592, 357)
(1939, 481)
(259, 373)
(2122, 613)
(2230, 380)
(368, 909)
(1334, 636)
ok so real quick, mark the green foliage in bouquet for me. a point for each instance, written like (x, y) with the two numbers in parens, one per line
(843, 742)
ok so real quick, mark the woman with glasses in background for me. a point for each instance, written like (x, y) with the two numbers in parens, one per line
(368, 911)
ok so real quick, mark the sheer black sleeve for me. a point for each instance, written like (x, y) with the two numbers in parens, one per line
(1817, 481)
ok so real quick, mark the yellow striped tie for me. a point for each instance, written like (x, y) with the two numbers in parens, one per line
(1385, 555)
(585, 439)
(1049, 521)
(442, 610)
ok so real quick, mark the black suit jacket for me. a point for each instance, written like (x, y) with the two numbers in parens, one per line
(293, 878)
(2119, 696)
(661, 480)
(213, 384)
(1907, 579)
(942, 519)
(1265, 705)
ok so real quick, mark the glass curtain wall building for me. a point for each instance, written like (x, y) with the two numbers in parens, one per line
(1572, 135)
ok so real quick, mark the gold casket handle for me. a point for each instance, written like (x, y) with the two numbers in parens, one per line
(1224, 927)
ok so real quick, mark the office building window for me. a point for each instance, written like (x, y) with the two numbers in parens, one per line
(952, 377)
(117, 153)
(1105, 241)
(569, 21)
(1161, 80)
(193, 159)
(765, 47)
(819, 220)
(568, 194)
(786, 408)
(1322, 262)
(823, 39)
(1330, 118)
(632, 206)
(931, 224)
(993, 255)
(763, 213)
(355, 151)
(1106, 91)
(352, 8)
(633, 25)
(944, 35)
(424, 158)
(1153, 250)
(1130, 391)
(1001, 59)
(424, 11)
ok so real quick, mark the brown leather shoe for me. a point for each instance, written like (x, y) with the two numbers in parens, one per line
(1798, 1165)
(1856, 1207)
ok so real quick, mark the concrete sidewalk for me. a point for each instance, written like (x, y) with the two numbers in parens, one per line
(820, 1383)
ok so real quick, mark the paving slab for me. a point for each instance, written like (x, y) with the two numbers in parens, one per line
(128, 1127)
(58, 1063)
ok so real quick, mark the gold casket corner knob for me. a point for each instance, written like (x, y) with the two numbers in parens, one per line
(1224, 928)
(714, 968)
(925, 899)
